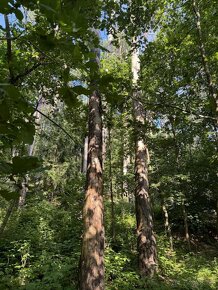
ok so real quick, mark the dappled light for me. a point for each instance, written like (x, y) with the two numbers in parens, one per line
(108, 145)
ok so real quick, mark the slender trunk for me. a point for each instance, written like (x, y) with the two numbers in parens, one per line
(146, 242)
(7, 216)
(23, 191)
(167, 226)
(92, 259)
(185, 217)
(104, 145)
(85, 155)
(177, 153)
(111, 186)
(23, 184)
(210, 84)
(126, 162)
(217, 216)
(121, 168)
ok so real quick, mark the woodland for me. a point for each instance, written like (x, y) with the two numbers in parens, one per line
(108, 144)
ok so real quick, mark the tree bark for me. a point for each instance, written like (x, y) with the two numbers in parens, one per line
(111, 186)
(23, 191)
(92, 259)
(167, 226)
(146, 242)
(187, 237)
(85, 155)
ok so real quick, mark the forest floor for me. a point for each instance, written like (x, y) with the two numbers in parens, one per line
(179, 269)
(40, 250)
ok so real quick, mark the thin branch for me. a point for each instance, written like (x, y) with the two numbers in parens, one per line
(12, 38)
(186, 111)
(211, 86)
(27, 71)
(56, 124)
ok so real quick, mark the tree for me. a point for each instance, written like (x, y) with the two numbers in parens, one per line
(146, 242)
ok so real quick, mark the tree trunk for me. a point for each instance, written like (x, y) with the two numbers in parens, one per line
(23, 191)
(217, 217)
(92, 260)
(85, 154)
(211, 86)
(187, 237)
(167, 226)
(146, 242)
(23, 184)
(111, 186)
(126, 162)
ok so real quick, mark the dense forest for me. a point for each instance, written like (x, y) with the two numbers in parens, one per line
(108, 144)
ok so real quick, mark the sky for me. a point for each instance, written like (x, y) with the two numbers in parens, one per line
(1, 20)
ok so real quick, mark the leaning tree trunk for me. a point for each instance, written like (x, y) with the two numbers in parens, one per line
(146, 242)
(7, 216)
(92, 254)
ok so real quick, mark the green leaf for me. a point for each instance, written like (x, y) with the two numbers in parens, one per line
(79, 90)
(69, 97)
(25, 164)
(4, 112)
(4, 5)
(11, 90)
(5, 167)
(8, 195)
(18, 14)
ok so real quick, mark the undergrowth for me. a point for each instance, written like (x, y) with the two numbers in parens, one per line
(40, 250)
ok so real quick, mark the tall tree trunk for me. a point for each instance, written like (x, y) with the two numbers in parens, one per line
(177, 154)
(111, 185)
(211, 86)
(146, 242)
(92, 254)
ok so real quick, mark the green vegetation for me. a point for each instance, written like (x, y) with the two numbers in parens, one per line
(108, 145)
(41, 251)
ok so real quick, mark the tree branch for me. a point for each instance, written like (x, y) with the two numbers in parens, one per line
(186, 111)
(56, 124)
(27, 71)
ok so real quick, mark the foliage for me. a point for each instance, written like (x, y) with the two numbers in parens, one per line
(48, 55)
